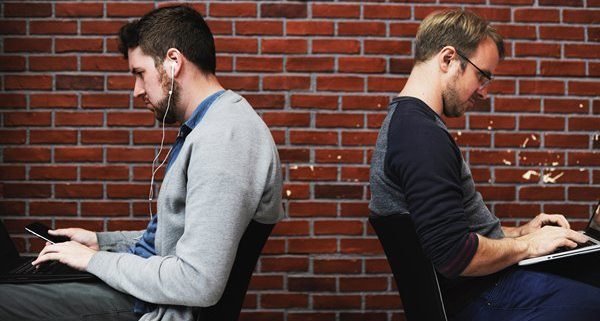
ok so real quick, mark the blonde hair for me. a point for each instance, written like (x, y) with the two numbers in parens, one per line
(462, 29)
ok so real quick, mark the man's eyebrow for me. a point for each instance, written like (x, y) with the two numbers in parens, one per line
(135, 71)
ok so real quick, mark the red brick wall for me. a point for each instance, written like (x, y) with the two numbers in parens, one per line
(76, 147)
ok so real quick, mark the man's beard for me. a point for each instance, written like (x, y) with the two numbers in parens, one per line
(161, 107)
(451, 104)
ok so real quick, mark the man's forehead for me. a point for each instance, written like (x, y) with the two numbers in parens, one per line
(138, 60)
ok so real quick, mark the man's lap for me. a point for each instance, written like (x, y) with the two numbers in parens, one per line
(64, 301)
(532, 295)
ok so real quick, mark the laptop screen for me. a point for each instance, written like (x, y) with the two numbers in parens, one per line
(593, 229)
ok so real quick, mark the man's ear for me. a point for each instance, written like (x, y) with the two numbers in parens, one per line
(445, 57)
(173, 62)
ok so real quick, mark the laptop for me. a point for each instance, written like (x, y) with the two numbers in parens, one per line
(17, 269)
(593, 245)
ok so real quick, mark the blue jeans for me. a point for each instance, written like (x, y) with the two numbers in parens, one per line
(533, 295)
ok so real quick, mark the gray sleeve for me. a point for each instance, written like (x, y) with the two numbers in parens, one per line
(226, 181)
(118, 241)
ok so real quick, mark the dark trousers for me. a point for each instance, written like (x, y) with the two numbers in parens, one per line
(64, 301)
(564, 290)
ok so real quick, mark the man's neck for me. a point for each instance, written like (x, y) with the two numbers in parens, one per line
(196, 91)
(423, 83)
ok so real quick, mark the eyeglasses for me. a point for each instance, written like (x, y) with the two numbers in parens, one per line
(487, 76)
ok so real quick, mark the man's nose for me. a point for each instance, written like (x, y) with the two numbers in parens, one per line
(482, 93)
(138, 89)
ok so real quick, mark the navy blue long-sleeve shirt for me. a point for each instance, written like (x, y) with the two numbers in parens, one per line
(417, 169)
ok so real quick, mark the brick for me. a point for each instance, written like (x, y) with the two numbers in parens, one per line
(261, 64)
(383, 302)
(284, 300)
(78, 9)
(494, 193)
(587, 16)
(52, 136)
(13, 27)
(236, 45)
(346, 156)
(386, 12)
(583, 124)
(108, 28)
(285, 82)
(473, 139)
(27, 119)
(516, 140)
(514, 175)
(502, 87)
(258, 28)
(533, 49)
(335, 11)
(12, 208)
(404, 29)
(63, 45)
(335, 266)
(283, 10)
(541, 123)
(566, 106)
(289, 46)
(516, 210)
(128, 9)
(314, 101)
(309, 28)
(126, 191)
(491, 157)
(570, 3)
(130, 119)
(388, 47)
(59, 173)
(542, 87)
(362, 246)
(363, 138)
(27, 9)
(232, 10)
(15, 82)
(105, 173)
(335, 46)
(266, 101)
(313, 137)
(584, 158)
(240, 82)
(385, 84)
(516, 68)
(53, 208)
(78, 119)
(536, 15)
(12, 100)
(67, 82)
(562, 68)
(566, 141)
(53, 101)
(310, 245)
(297, 228)
(224, 63)
(50, 63)
(540, 158)
(361, 65)
(26, 190)
(584, 88)
(103, 63)
(582, 51)
(154, 136)
(296, 191)
(305, 209)
(10, 136)
(354, 209)
(361, 29)
(104, 136)
(517, 104)
(569, 210)
(493, 121)
(338, 191)
(26, 154)
(492, 14)
(42, 27)
(540, 193)
(286, 119)
(220, 27)
(338, 227)
(561, 33)
(103, 208)
(340, 83)
(334, 120)
(375, 120)
(312, 173)
(130, 155)
(284, 264)
(12, 63)
(77, 154)
(309, 64)
(517, 31)
(362, 102)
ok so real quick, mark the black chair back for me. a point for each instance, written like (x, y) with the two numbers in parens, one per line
(415, 275)
(229, 306)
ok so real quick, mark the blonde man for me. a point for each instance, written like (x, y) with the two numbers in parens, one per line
(418, 170)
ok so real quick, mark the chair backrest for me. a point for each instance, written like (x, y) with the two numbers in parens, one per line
(229, 306)
(415, 275)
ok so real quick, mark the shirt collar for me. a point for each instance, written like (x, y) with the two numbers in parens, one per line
(198, 113)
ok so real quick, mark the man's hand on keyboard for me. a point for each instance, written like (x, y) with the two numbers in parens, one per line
(73, 254)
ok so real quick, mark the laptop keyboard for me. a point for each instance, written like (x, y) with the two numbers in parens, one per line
(53, 267)
(579, 246)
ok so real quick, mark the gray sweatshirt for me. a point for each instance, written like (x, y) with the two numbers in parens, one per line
(227, 173)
